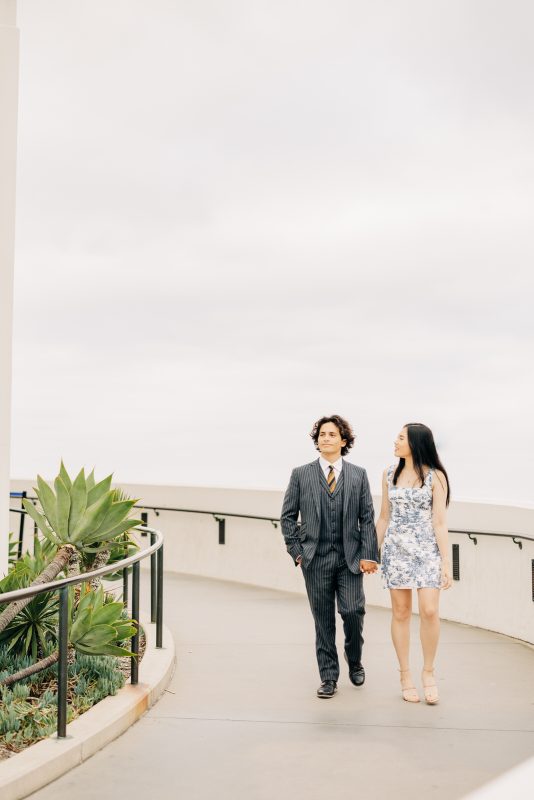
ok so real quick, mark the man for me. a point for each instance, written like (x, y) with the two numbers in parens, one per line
(334, 544)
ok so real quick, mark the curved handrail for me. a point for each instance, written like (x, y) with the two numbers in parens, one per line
(513, 536)
(108, 569)
(156, 509)
(276, 520)
(61, 586)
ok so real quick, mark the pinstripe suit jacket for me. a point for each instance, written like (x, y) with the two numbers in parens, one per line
(303, 496)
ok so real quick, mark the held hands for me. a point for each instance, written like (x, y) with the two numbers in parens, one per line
(368, 567)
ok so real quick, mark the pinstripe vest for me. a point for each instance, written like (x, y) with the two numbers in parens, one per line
(331, 533)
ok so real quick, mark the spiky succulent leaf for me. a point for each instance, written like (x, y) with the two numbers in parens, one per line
(98, 491)
(62, 509)
(92, 550)
(78, 500)
(112, 534)
(47, 499)
(125, 631)
(64, 475)
(117, 512)
(99, 625)
(41, 522)
(13, 548)
(85, 603)
(90, 480)
(115, 650)
(99, 599)
(81, 624)
(97, 635)
(104, 650)
(121, 547)
(107, 614)
(93, 517)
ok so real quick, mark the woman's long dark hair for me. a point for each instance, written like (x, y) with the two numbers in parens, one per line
(424, 453)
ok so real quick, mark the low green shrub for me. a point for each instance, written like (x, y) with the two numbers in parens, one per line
(28, 710)
(36, 624)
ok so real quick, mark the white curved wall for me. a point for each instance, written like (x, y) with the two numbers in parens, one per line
(494, 590)
(9, 59)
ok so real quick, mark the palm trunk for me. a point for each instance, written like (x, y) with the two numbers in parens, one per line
(58, 563)
(32, 669)
(101, 559)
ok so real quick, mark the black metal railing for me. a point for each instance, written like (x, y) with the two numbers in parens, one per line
(156, 509)
(220, 518)
(517, 538)
(155, 550)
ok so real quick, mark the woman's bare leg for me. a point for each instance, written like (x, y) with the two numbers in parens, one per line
(401, 606)
(429, 631)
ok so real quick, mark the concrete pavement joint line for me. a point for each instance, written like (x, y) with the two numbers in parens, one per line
(340, 724)
(377, 643)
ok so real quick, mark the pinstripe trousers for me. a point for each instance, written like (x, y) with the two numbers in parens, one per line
(328, 577)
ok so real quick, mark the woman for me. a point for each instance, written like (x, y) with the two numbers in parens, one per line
(413, 529)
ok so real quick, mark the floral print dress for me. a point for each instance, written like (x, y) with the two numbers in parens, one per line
(410, 554)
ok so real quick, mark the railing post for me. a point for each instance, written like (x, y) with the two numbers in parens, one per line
(134, 674)
(21, 525)
(144, 521)
(125, 598)
(153, 581)
(35, 532)
(159, 604)
(62, 664)
(125, 577)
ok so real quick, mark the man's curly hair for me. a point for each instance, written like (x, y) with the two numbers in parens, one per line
(343, 427)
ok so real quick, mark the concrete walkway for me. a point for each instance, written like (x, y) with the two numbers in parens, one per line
(240, 720)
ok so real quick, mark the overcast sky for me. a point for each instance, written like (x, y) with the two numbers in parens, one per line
(234, 217)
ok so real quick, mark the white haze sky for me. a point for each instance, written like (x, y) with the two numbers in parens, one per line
(235, 216)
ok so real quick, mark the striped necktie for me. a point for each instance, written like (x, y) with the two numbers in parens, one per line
(331, 480)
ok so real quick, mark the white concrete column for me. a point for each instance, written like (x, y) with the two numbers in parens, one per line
(9, 74)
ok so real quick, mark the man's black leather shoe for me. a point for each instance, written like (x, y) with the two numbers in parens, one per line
(356, 673)
(327, 689)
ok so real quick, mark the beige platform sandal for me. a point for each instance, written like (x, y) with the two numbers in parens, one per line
(430, 689)
(409, 693)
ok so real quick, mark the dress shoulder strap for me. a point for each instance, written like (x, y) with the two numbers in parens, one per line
(390, 473)
(429, 477)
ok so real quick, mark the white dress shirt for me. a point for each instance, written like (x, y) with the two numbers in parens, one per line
(325, 466)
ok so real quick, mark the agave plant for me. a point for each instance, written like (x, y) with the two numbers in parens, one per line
(99, 626)
(33, 627)
(83, 513)
(26, 569)
(82, 517)
(30, 632)
(122, 548)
